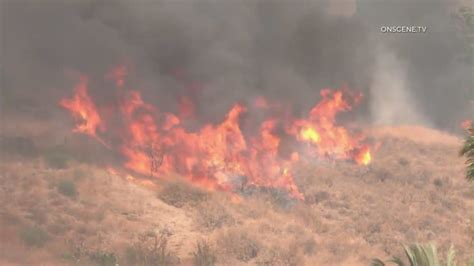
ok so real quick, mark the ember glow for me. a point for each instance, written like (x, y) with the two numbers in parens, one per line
(220, 156)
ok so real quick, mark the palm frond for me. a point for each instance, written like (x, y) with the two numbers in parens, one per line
(422, 255)
(377, 262)
(450, 257)
(397, 261)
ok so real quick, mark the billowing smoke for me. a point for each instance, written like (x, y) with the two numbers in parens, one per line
(220, 52)
(392, 101)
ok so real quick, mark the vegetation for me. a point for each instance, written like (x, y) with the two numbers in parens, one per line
(466, 16)
(204, 255)
(67, 188)
(420, 255)
(468, 151)
(103, 258)
(239, 244)
(34, 236)
(151, 249)
(57, 159)
(179, 194)
(22, 146)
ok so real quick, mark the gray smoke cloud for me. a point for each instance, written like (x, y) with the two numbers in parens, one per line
(236, 50)
(392, 100)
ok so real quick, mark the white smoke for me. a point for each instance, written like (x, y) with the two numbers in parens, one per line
(391, 99)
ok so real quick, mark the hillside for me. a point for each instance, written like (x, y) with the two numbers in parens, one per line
(79, 211)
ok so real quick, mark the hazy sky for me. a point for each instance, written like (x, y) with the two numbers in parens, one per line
(284, 50)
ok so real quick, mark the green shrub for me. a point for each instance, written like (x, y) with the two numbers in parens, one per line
(204, 255)
(34, 236)
(67, 188)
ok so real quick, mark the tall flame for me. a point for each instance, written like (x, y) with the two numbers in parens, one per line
(218, 156)
(84, 111)
(321, 131)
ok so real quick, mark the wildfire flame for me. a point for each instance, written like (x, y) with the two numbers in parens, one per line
(220, 156)
(84, 111)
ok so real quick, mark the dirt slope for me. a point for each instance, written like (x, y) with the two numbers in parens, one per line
(414, 190)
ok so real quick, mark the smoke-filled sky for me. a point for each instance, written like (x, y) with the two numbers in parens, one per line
(236, 50)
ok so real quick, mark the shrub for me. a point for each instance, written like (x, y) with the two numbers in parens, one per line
(37, 215)
(67, 188)
(204, 255)
(103, 258)
(34, 236)
(78, 174)
(239, 244)
(151, 249)
(179, 194)
(19, 145)
(211, 215)
(57, 159)
(281, 255)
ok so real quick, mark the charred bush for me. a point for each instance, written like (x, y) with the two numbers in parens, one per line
(179, 194)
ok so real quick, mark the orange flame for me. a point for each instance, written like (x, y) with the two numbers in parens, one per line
(84, 111)
(320, 130)
(220, 156)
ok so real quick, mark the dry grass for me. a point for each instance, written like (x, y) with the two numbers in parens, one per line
(239, 244)
(179, 194)
(413, 191)
(204, 255)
